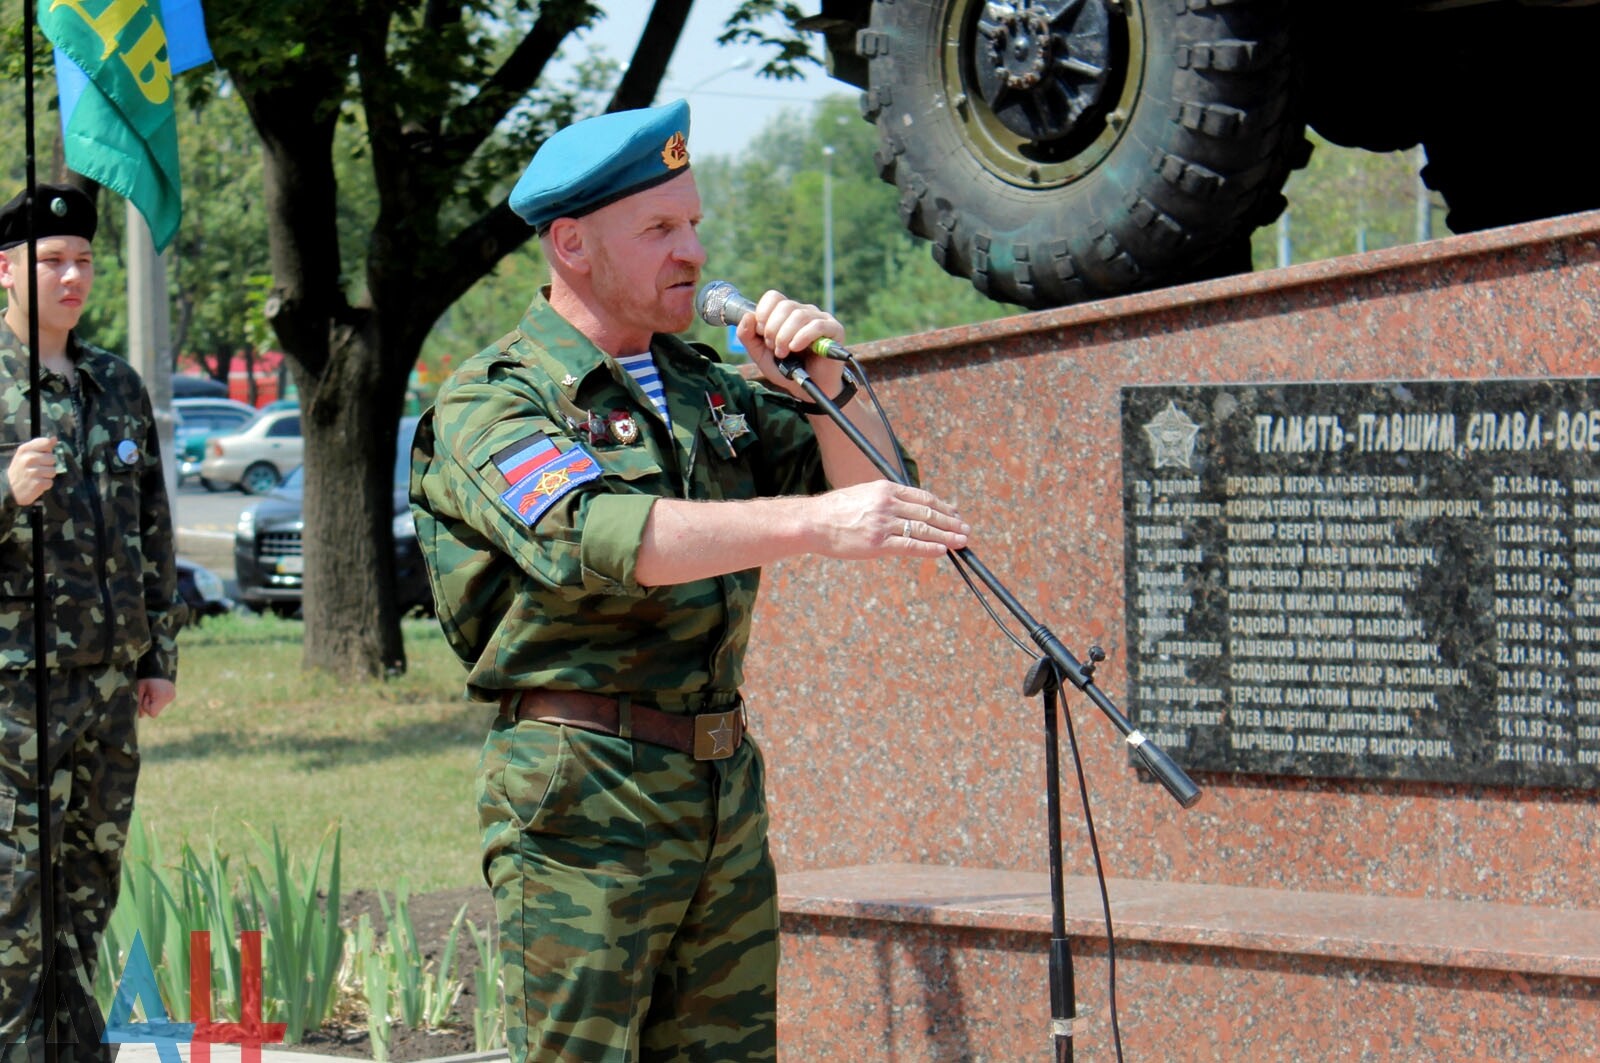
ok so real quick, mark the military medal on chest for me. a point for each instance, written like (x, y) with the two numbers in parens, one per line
(731, 425)
(624, 429)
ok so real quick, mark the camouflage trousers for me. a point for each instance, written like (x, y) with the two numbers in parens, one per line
(635, 895)
(95, 762)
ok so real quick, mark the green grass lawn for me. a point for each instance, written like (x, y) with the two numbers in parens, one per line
(253, 743)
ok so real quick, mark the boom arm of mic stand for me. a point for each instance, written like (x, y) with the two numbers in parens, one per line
(1163, 767)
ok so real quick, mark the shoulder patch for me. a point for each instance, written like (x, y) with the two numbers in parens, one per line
(525, 456)
(547, 480)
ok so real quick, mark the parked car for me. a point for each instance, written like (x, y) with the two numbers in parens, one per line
(196, 421)
(255, 458)
(202, 589)
(268, 553)
(189, 386)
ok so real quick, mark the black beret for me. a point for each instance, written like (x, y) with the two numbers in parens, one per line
(59, 210)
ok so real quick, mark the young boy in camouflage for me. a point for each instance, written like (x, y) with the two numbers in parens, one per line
(595, 498)
(111, 645)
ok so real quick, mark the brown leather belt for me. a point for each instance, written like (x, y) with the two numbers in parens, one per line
(705, 736)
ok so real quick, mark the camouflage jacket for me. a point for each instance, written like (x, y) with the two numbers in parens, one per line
(531, 523)
(108, 534)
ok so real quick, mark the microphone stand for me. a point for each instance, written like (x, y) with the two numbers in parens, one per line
(1043, 678)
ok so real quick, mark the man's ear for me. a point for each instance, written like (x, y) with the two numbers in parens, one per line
(565, 245)
(6, 279)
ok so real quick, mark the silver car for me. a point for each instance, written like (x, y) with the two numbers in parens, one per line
(195, 421)
(256, 457)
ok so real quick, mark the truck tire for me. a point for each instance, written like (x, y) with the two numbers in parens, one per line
(1067, 150)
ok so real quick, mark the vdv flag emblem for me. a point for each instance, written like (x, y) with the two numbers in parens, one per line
(115, 60)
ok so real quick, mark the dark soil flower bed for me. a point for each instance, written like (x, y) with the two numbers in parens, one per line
(431, 915)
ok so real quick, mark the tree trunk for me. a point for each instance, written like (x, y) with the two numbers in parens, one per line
(250, 390)
(349, 404)
(352, 624)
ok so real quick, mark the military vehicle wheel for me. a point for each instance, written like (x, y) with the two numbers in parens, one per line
(259, 478)
(1062, 150)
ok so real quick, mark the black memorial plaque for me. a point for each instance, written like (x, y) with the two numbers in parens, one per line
(1396, 580)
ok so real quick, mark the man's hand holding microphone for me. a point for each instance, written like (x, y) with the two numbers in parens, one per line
(777, 328)
(866, 516)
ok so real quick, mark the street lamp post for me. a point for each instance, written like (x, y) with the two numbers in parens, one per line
(827, 228)
(741, 63)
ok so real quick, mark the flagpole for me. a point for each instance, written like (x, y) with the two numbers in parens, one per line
(50, 974)
(150, 335)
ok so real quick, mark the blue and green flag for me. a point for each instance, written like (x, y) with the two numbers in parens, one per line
(115, 61)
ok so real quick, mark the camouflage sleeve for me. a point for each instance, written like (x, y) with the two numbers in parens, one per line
(165, 610)
(576, 524)
(9, 510)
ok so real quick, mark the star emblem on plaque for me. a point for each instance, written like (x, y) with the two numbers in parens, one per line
(1172, 438)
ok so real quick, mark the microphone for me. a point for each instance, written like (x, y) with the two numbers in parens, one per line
(719, 303)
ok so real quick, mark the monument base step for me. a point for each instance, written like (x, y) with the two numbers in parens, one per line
(912, 962)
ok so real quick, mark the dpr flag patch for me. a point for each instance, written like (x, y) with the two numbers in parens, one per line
(539, 489)
(525, 456)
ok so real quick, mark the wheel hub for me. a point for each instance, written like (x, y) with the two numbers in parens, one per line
(1042, 66)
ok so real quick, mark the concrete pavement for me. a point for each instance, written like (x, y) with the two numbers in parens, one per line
(219, 1054)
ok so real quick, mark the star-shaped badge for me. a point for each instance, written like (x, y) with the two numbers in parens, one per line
(733, 425)
(1172, 438)
(721, 739)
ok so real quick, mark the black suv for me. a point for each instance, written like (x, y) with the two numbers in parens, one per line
(268, 556)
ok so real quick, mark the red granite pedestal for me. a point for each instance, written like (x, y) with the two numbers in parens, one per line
(1462, 919)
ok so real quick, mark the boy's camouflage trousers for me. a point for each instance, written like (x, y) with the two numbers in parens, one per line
(95, 758)
(636, 898)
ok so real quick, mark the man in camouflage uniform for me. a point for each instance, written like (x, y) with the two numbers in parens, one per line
(595, 498)
(111, 643)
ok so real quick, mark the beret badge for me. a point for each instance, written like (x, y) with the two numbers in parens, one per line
(675, 155)
(54, 210)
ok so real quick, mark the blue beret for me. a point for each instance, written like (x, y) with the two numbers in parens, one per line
(599, 160)
(58, 210)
